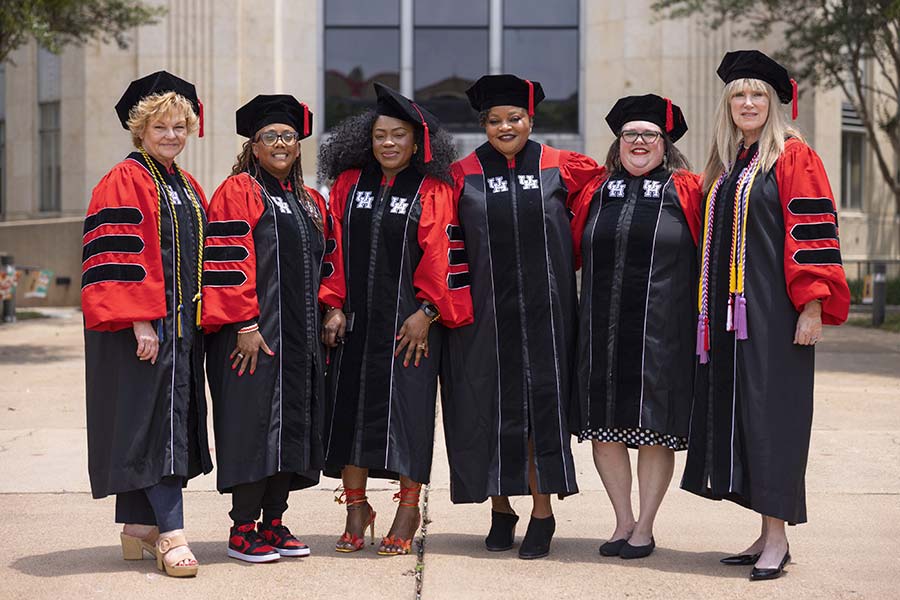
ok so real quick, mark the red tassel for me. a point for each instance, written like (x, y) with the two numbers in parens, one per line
(200, 104)
(670, 119)
(305, 120)
(427, 136)
(794, 109)
(530, 98)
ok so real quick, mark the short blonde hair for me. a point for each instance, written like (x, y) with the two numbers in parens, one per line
(158, 106)
(726, 135)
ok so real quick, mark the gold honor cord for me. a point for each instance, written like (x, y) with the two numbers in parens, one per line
(160, 181)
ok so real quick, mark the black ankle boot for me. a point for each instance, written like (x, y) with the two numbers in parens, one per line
(503, 531)
(537, 539)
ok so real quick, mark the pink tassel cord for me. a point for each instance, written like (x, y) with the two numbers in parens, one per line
(740, 317)
(702, 340)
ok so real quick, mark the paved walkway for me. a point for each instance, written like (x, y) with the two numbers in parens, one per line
(55, 541)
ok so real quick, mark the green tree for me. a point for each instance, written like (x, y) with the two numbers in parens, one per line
(57, 23)
(850, 44)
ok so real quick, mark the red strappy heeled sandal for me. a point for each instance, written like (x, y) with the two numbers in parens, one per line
(355, 499)
(394, 545)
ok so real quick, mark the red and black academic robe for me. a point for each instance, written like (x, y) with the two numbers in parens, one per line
(400, 248)
(753, 400)
(506, 379)
(144, 422)
(263, 264)
(637, 239)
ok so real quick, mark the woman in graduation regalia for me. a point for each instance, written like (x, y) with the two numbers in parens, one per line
(770, 277)
(140, 290)
(635, 230)
(506, 379)
(406, 281)
(265, 258)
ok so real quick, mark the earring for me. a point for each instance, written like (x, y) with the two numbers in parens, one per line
(415, 148)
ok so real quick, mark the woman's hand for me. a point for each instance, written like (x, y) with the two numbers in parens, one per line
(809, 324)
(414, 337)
(147, 342)
(246, 351)
(334, 324)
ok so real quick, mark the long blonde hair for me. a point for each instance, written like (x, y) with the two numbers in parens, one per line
(727, 137)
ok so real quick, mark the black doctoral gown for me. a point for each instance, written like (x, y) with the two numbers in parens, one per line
(263, 264)
(637, 319)
(506, 379)
(144, 422)
(753, 400)
(396, 241)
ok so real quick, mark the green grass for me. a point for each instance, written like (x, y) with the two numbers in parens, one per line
(26, 315)
(891, 322)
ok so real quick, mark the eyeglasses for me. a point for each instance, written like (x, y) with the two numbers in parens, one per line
(647, 137)
(288, 138)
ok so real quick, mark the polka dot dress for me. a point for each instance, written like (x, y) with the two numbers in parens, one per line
(634, 437)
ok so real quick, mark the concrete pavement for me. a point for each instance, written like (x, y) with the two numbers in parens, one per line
(56, 541)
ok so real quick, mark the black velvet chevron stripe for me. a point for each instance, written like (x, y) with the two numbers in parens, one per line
(113, 272)
(223, 278)
(455, 233)
(458, 256)
(805, 232)
(457, 281)
(227, 229)
(123, 215)
(225, 253)
(128, 244)
(327, 270)
(819, 256)
(330, 245)
(811, 206)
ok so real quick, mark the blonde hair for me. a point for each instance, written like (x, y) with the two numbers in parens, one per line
(726, 135)
(159, 106)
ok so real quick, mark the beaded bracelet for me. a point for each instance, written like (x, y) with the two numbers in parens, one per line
(249, 328)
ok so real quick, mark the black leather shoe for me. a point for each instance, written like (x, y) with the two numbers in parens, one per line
(537, 538)
(740, 560)
(629, 551)
(503, 531)
(613, 548)
(761, 574)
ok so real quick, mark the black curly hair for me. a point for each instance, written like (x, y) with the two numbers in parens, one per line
(349, 146)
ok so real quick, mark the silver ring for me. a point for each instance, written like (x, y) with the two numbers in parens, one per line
(421, 345)
(240, 355)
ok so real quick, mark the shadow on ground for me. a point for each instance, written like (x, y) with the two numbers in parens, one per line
(30, 353)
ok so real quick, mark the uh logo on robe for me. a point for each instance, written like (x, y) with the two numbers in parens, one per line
(498, 184)
(364, 200)
(399, 205)
(616, 188)
(652, 188)
(283, 206)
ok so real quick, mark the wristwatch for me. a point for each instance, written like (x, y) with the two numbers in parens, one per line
(430, 311)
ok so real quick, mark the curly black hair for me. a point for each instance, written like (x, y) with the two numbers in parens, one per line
(349, 146)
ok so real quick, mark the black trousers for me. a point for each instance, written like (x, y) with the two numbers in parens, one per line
(268, 495)
(161, 505)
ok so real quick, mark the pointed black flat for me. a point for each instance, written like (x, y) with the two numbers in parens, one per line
(502, 535)
(613, 548)
(740, 560)
(762, 574)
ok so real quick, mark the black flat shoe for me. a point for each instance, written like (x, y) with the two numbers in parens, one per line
(537, 538)
(761, 574)
(740, 560)
(629, 551)
(503, 531)
(613, 548)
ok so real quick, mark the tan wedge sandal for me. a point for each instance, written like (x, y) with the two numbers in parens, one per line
(168, 542)
(134, 547)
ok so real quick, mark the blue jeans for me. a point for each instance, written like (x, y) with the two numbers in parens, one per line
(161, 505)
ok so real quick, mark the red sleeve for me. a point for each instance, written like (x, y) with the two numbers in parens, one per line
(688, 187)
(581, 207)
(122, 278)
(333, 289)
(812, 254)
(229, 258)
(577, 170)
(332, 261)
(442, 276)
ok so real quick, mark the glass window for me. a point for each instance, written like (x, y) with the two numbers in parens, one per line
(354, 58)
(370, 13)
(540, 13)
(551, 57)
(447, 62)
(49, 170)
(451, 14)
(852, 151)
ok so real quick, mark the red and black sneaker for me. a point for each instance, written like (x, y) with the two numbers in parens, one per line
(246, 544)
(280, 537)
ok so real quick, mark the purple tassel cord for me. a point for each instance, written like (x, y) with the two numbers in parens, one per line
(740, 317)
(701, 340)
